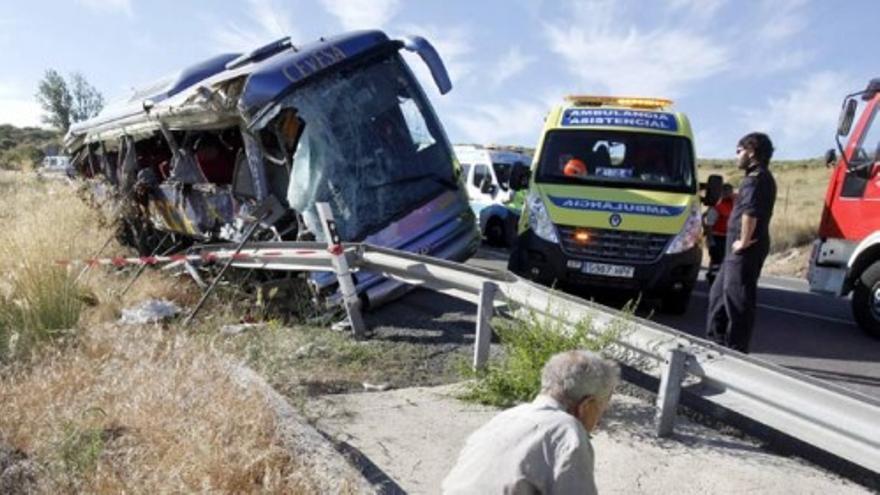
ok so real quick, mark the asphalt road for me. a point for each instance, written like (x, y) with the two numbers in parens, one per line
(802, 331)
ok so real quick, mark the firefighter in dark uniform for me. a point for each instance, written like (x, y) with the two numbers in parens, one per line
(732, 301)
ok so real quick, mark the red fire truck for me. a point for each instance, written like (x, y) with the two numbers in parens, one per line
(846, 257)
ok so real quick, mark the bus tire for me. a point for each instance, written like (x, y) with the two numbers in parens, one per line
(675, 303)
(866, 300)
(495, 235)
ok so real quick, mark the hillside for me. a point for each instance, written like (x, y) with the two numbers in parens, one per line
(22, 148)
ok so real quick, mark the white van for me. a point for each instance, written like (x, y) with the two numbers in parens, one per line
(486, 172)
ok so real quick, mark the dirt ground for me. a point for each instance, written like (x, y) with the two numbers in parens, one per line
(789, 263)
(410, 438)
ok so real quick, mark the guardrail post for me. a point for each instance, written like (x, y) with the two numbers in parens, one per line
(350, 298)
(483, 336)
(669, 392)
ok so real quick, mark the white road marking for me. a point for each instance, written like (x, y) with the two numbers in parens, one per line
(794, 312)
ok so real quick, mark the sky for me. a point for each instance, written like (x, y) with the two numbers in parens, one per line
(734, 66)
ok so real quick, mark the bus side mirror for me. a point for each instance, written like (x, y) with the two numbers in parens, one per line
(847, 115)
(519, 177)
(830, 157)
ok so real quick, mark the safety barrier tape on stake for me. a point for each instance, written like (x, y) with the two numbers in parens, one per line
(208, 257)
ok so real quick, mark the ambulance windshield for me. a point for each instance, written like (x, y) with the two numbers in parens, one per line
(618, 159)
(369, 145)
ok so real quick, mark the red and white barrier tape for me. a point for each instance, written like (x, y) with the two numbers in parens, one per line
(208, 257)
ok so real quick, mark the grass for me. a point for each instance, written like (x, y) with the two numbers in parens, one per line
(301, 361)
(800, 195)
(143, 409)
(527, 344)
(107, 409)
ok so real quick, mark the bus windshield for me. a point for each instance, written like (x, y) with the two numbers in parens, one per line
(618, 159)
(369, 145)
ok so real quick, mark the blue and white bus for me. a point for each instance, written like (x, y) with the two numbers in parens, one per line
(341, 120)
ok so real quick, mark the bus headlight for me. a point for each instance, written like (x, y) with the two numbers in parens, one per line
(539, 219)
(690, 234)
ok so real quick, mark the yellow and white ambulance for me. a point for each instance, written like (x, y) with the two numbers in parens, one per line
(613, 200)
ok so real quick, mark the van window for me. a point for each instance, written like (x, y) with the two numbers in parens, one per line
(481, 171)
(618, 159)
(502, 173)
(465, 170)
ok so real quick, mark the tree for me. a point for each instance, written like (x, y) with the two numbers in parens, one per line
(87, 101)
(55, 99)
(67, 102)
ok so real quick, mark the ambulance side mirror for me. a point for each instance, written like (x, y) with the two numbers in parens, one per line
(830, 157)
(519, 177)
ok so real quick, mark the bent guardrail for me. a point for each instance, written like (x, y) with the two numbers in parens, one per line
(834, 419)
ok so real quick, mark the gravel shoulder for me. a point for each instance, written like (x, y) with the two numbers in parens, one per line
(413, 436)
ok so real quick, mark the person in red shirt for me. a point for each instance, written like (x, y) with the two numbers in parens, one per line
(717, 222)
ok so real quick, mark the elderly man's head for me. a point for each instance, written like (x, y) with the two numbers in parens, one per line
(582, 382)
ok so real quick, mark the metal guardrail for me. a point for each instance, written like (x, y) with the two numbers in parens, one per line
(824, 415)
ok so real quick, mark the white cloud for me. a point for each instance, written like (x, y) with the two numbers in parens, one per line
(511, 122)
(630, 61)
(362, 14)
(781, 19)
(266, 21)
(802, 122)
(509, 65)
(110, 6)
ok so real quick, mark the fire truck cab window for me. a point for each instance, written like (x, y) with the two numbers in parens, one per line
(864, 156)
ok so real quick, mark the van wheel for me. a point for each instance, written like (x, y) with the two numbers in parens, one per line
(495, 232)
(866, 300)
(676, 303)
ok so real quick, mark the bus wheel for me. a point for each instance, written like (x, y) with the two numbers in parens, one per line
(495, 232)
(866, 300)
(675, 303)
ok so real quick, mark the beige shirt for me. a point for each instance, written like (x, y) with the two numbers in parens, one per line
(532, 448)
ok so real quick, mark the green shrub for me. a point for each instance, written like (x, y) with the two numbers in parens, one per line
(527, 344)
(43, 303)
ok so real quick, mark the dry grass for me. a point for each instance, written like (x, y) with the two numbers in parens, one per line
(800, 195)
(107, 409)
(143, 410)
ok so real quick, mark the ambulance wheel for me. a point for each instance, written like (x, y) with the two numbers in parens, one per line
(866, 300)
(675, 303)
(495, 235)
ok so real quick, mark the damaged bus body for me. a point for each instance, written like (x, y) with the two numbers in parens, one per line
(280, 129)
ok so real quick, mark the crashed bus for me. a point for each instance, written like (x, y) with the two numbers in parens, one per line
(282, 128)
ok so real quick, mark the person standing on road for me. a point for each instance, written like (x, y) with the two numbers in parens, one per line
(720, 213)
(732, 298)
(542, 446)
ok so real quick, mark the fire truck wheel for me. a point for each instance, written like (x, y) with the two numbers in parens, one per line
(866, 300)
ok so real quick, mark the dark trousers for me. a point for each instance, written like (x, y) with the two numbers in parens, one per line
(717, 245)
(732, 299)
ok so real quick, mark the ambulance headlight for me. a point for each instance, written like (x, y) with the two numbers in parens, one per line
(690, 234)
(539, 219)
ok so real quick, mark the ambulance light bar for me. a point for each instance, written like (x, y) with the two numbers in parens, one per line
(620, 101)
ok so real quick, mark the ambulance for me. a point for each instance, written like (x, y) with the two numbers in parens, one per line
(613, 201)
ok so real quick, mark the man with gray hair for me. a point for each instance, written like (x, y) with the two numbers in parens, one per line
(542, 446)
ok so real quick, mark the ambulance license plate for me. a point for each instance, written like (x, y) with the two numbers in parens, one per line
(608, 270)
